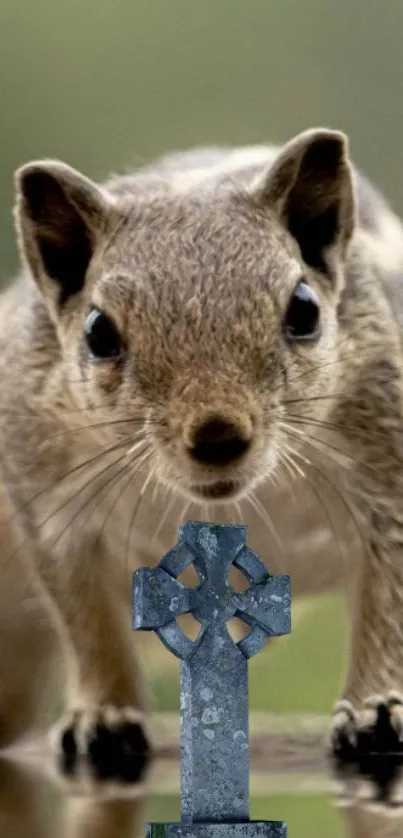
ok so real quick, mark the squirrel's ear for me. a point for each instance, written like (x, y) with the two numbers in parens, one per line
(310, 187)
(60, 215)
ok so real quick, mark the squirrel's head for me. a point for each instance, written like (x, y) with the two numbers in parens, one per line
(199, 325)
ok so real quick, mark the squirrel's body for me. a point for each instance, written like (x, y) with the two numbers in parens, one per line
(195, 260)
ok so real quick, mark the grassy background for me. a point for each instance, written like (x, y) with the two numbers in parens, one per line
(105, 85)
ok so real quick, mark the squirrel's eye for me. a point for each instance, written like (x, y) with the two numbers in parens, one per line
(302, 317)
(102, 337)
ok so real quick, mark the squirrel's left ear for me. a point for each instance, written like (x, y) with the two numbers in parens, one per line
(60, 217)
(310, 187)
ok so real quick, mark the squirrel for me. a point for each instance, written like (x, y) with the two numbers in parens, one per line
(212, 324)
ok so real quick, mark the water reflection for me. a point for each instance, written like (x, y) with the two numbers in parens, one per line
(372, 798)
(43, 802)
(39, 801)
(364, 822)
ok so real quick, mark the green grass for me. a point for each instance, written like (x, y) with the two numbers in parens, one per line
(299, 672)
(305, 815)
(303, 671)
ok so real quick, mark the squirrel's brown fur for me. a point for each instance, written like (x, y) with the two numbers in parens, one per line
(195, 260)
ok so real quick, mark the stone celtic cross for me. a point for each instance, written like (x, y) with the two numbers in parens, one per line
(214, 672)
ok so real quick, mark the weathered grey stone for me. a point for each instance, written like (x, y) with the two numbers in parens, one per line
(214, 673)
(251, 829)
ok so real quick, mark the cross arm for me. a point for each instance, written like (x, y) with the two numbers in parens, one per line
(157, 598)
(268, 605)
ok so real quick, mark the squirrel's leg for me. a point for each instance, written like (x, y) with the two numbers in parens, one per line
(28, 642)
(28, 652)
(370, 715)
(104, 718)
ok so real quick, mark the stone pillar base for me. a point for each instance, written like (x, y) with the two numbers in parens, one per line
(250, 829)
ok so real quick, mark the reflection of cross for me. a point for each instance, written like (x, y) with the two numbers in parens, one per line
(214, 674)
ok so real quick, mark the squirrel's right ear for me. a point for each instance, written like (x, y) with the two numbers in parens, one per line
(60, 216)
(310, 188)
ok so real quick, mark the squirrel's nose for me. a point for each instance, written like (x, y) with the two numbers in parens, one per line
(218, 441)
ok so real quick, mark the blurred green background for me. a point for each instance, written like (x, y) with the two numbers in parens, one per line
(109, 85)
(105, 84)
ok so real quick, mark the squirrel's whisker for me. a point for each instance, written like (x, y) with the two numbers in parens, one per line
(136, 507)
(320, 500)
(333, 488)
(265, 518)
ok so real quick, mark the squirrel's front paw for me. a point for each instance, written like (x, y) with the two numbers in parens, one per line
(112, 739)
(375, 728)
